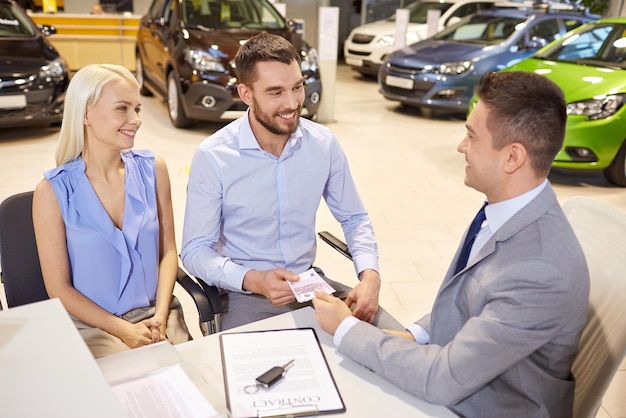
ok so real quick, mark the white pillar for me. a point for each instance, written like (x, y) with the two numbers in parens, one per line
(402, 23)
(432, 22)
(328, 39)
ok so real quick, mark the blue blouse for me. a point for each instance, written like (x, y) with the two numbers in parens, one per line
(116, 269)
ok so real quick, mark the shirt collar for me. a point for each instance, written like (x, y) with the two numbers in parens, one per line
(247, 140)
(498, 214)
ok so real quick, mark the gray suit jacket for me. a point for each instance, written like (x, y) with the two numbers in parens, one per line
(503, 332)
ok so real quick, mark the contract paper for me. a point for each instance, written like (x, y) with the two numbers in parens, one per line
(307, 387)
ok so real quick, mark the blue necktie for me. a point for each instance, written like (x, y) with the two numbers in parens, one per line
(469, 239)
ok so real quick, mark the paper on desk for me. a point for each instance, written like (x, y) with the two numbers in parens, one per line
(307, 383)
(164, 393)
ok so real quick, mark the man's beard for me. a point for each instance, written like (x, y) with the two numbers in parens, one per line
(273, 127)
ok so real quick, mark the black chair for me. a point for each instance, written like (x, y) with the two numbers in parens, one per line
(21, 272)
(336, 243)
(210, 320)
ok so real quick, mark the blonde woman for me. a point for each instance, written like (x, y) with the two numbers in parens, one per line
(104, 220)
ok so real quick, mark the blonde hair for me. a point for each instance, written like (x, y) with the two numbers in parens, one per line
(83, 93)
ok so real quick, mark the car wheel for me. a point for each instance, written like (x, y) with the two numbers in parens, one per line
(141, 78)
(174, 103)
(616, 172)
(427, 112)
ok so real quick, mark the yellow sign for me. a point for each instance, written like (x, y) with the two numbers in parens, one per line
(49, 6)
(225, 12)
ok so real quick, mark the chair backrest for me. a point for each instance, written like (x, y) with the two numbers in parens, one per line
(23, 281)
(601, 230)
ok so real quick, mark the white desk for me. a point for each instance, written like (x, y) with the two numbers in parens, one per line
(364, 393)
(46, 370)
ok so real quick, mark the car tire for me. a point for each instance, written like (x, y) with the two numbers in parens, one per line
(174, 103)
(616, 172)
(427, 112)
(141, 77)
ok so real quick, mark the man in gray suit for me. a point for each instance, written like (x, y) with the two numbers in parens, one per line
(504, 328)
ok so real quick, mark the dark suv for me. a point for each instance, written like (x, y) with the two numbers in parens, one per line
(33, 76)
(186, 49)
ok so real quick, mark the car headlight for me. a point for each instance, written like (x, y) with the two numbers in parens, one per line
(598, 107)
(386, 40)
(309, 60)
(453, 68)
(203, 61)
(53, 71)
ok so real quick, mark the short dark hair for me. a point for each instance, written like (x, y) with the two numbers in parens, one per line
(527, 108)
(263, 47)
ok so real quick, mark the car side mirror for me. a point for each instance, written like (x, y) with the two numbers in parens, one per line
(158, 22)
(48, 30)
(296, 26)
(453, 20)
(536, 43)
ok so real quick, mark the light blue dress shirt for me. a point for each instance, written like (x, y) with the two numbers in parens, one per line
(248, 209)
(116, 269)
(497, 214)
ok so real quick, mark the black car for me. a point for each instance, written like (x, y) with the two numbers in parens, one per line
(33, 76)
(186, 49)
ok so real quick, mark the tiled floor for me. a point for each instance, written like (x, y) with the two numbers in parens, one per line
(408, 172)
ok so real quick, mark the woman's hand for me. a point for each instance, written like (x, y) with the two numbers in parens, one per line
(142, 333)
(158, 332)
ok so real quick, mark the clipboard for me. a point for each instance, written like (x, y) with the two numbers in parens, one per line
(308, 387)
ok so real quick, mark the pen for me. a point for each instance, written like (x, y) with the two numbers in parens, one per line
(274, 375)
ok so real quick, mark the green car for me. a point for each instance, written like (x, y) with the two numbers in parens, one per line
(589, 64)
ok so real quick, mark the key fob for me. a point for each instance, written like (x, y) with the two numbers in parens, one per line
(271, 377)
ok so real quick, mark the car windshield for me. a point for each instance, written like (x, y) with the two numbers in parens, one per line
(14, 24)
(480, 29)
(231, 14)
(419, 10)
(602, 45)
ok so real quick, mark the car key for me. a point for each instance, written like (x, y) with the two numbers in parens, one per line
(274, 375)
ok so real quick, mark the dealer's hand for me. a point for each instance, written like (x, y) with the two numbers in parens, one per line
(329, 311)
(403, 334)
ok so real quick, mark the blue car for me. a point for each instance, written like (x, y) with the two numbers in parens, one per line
(439, 73)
